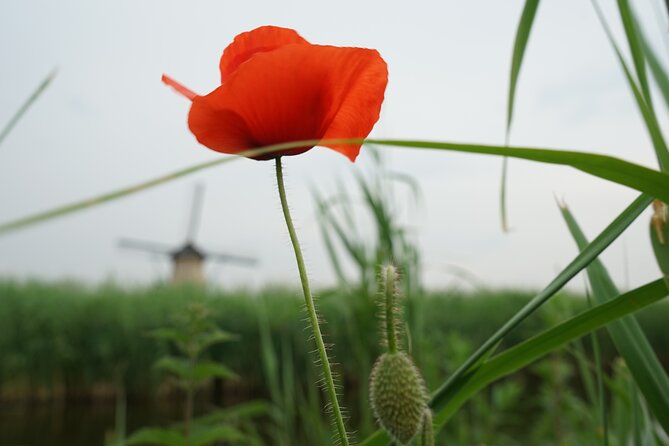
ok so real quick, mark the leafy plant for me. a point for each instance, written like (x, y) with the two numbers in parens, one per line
(194, 335)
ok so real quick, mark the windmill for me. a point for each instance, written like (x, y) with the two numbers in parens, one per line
(187, 259)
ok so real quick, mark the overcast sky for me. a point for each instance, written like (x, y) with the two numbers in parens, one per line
(107, 121)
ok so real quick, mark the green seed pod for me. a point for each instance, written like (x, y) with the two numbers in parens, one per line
(398, 396)
(427, 431)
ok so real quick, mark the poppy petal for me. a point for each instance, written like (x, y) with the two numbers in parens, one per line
(361, 97)
(219, 129)
(294, 93)
(178, 87)
(259, 40)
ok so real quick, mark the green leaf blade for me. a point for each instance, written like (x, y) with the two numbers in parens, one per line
(606, 167)
(634, 43)
(519, 46)
(609, 168)
(627, 336)
(659, 73)
(644, 104)
(157, 436)
(205, 370)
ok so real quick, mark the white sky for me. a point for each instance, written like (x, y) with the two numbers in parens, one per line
(107, 122)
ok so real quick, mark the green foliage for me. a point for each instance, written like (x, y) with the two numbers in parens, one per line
(445, 404)
(195, 333)
(346, 230)
(520, 43)
(638, 86)
(628, 336)
(171, 437)
(453, 323)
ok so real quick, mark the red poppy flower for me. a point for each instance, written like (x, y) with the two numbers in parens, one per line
(276, 87)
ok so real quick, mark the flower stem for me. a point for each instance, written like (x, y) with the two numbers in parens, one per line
(311, 309)
(390, 308)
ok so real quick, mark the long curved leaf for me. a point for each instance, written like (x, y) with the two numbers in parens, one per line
(111, 196)
(606, 167)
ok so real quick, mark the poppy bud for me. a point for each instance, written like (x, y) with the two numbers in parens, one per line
(398, 396)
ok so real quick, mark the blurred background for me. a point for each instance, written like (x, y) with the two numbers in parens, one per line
(81, 296)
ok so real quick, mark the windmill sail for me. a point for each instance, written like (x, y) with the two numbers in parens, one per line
(195, 213)
(188, 259)
(142, 245)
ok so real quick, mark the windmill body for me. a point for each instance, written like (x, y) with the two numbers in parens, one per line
(187, 260)
(188, 265)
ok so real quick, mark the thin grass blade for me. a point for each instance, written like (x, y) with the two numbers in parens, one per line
(659, 72)
(645, 107)
(27, 104)
(634, 42)
(324, 227)
(520, 43)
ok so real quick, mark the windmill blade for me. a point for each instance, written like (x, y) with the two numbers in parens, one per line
(141, 245)
(229, 258)
(195, 213)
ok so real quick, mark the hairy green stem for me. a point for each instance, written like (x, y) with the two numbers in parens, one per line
(311, 309)
(390, 309)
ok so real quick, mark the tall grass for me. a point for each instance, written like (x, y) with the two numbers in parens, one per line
(65, 340)
(71, 338)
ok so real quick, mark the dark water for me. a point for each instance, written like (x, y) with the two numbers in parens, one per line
(75, 424)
